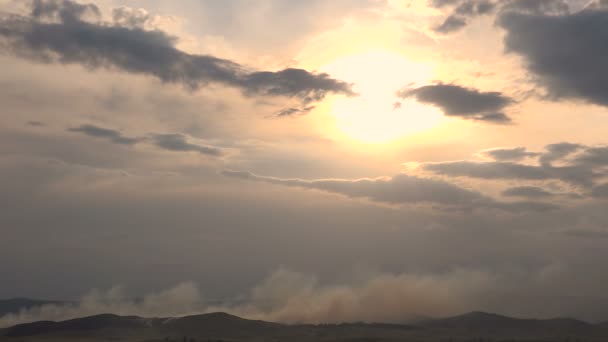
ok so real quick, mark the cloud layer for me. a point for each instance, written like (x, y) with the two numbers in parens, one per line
(57, 32)
(466, 103)
(399, 189)
(565, 52)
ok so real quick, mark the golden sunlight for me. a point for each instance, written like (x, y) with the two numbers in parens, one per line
(377, 115)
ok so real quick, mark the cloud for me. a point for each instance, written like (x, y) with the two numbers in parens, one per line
(565, 53)
(463, 9)
(399, 189)
(527, 191)
(72, 40)
(175, 142)
(537, 7)
(581, 169)
(294, 111)
(593, 156)
(579, 175)
(508, 154)
(558, 151)
(130, 17)
(466, 103)
(179, 142)
(451, 24)
(106, 133)
(63, 10)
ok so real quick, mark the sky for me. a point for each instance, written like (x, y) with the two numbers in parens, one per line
(310, 161)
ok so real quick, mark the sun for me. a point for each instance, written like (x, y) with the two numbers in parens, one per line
(377, 115)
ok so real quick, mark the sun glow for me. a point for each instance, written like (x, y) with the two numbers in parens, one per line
(377, 115)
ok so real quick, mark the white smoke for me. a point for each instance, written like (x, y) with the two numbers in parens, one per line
(292, 297)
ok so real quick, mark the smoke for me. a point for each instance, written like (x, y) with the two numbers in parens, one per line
(291, 297)
(182, 299)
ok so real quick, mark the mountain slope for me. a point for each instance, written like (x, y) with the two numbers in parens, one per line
(222, 326)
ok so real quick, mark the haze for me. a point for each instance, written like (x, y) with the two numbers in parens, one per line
(304, 161)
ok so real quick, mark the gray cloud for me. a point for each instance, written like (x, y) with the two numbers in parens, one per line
(399, 189)
(538, 7)
(294, 111)
(467, 103)
(509, 154)
(63, 10)
(582, 170)
(558, 151)
(488, 170)
(463, 9)
(168, 141)
(579, 175)
(593, 156)
(130, 17)
(565, 53)
(73, 40)
(451, 24)
(106, 133)
(179, 142)
(527, 191)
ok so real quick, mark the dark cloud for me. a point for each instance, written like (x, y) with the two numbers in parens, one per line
(527, 191)
(467, 103)
(451, 24)
(565, 53)
(509, 154)
(579, 175)
(463, 11)
(169, 141)
(443, 3)
(73, 40)
(294, 111)
(106, 133)
(488, 170)
(582, 170)
(179, 142)
(593, 156)
(538, 7)
(558, 151)
(399, 189)
(63, 10)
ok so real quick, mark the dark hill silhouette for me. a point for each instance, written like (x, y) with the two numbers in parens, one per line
(483, 323)
(222, 326)
(85, 325)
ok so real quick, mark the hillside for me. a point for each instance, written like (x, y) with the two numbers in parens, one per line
(222, 326)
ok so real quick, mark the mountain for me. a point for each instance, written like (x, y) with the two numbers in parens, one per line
(488, 324)
(15, 305)
(225, 327)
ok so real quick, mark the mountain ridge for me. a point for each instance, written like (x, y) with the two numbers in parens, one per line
(221, 325)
